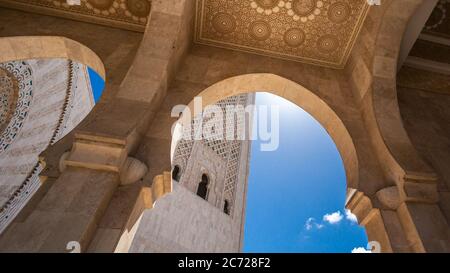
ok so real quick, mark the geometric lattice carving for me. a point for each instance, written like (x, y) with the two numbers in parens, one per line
(233, 164)
(215, 140)
(228, 150)
(21, 73)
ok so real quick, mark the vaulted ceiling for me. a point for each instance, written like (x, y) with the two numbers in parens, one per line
(439, 22)
(318, 32)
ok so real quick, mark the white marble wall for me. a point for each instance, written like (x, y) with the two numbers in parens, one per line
(50, 92)
(183, 222)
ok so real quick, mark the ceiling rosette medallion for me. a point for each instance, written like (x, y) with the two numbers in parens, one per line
(128, 14)
(438, 23)
(304, 10)
(320, 32)
(267, 6)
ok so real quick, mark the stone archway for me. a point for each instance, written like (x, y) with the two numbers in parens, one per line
(118, 129)
(355, 169)
(299, 95)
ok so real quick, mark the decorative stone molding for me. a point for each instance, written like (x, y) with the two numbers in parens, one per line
(73, 69)
(132, 171)
(97, 152)
(21, 196)
(106, 154)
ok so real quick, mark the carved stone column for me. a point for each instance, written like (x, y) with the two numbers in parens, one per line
(406, 218)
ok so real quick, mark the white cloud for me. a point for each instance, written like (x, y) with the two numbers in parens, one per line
(311, 223)
(350, 216)
(360, 250)
(330, 218)
(333, 218)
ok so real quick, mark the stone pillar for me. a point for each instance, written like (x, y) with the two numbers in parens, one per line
(71, 209)
(94, 195)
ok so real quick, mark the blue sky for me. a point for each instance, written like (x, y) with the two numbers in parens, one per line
(296, 194)
(97, 83)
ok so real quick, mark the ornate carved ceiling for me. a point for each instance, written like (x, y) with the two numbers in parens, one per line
(319, 32)
(439, 22)
(127, 14)
(15, 94)
(8, 97)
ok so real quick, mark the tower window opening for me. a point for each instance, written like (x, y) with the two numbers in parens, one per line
(226, 207)
(202, 189)
(176, 173)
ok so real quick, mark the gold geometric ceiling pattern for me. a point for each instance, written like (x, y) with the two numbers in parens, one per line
(127, 14)
(320, 32)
